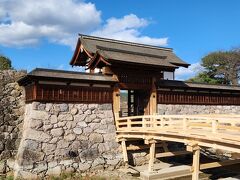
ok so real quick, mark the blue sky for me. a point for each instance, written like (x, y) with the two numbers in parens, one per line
(45, 33)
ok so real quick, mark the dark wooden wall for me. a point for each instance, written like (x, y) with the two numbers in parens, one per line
(171, 97)
(61, 93)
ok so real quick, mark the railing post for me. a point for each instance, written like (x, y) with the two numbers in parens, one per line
(154, 122)
(214, 125)
(143, 122)
(185, 124)
(128, 123)
(162, 122)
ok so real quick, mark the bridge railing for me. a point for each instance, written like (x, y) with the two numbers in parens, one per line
(213, 123)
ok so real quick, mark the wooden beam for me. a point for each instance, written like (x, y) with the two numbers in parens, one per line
(170, 154)
(141, 147)
(78, 52)
(219, 164)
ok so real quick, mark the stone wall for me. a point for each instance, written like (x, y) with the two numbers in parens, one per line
(66, 137)
(11, 116)
(197, 109)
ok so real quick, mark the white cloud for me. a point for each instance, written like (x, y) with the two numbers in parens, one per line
(26, 22)
(186, 73)
(58, 21)
(127, 28)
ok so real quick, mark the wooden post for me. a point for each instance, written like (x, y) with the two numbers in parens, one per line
(116, 115)
(153, 98)
(124, 150)
(129, 123)
(116, 100)
(214, 125)
(143, 122)
(194, 147)
(185, 124)
(162, 122)
(196, 164)
(152, 155)
(35, 90)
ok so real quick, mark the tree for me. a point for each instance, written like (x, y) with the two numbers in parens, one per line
(222, 67)
(5, 63)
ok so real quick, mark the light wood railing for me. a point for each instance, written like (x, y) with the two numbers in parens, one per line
(205, 123)
(214, 131)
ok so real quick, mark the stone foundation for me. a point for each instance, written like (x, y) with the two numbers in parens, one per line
(170, 109)
(66, 137)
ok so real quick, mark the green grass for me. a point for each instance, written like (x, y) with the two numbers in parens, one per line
(7, 178)
(75, 176)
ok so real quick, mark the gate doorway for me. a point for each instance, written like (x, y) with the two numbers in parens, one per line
(134, 103)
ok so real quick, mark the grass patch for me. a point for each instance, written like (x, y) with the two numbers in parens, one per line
(75, 176)
(69, 176)
(6, 178)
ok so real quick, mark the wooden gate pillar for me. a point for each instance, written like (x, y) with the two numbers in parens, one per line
(116, 100)
(153, 98)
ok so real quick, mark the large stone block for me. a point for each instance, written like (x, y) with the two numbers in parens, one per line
(77, 130)
(40, 167)
(63, 107)
(84, 167)
(55, 171)
(53, 119)
(74, 111)
(80, 117)
(62, 144)
(26, 156)
(42, 115)
(81, 124)
(95, 138)
(98, 161)
(36, 123)
(48, 148)
(70, 137)
(65, 117)
(39, 136)
(57, 132)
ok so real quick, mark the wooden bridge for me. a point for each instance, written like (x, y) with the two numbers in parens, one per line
(195, 131)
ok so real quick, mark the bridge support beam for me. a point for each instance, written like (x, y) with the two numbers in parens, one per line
(124, 150)
(194, 147)
(152, 154)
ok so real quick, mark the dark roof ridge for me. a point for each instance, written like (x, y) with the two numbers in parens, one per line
(64, 71)
(124, 42)
(201, 83)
